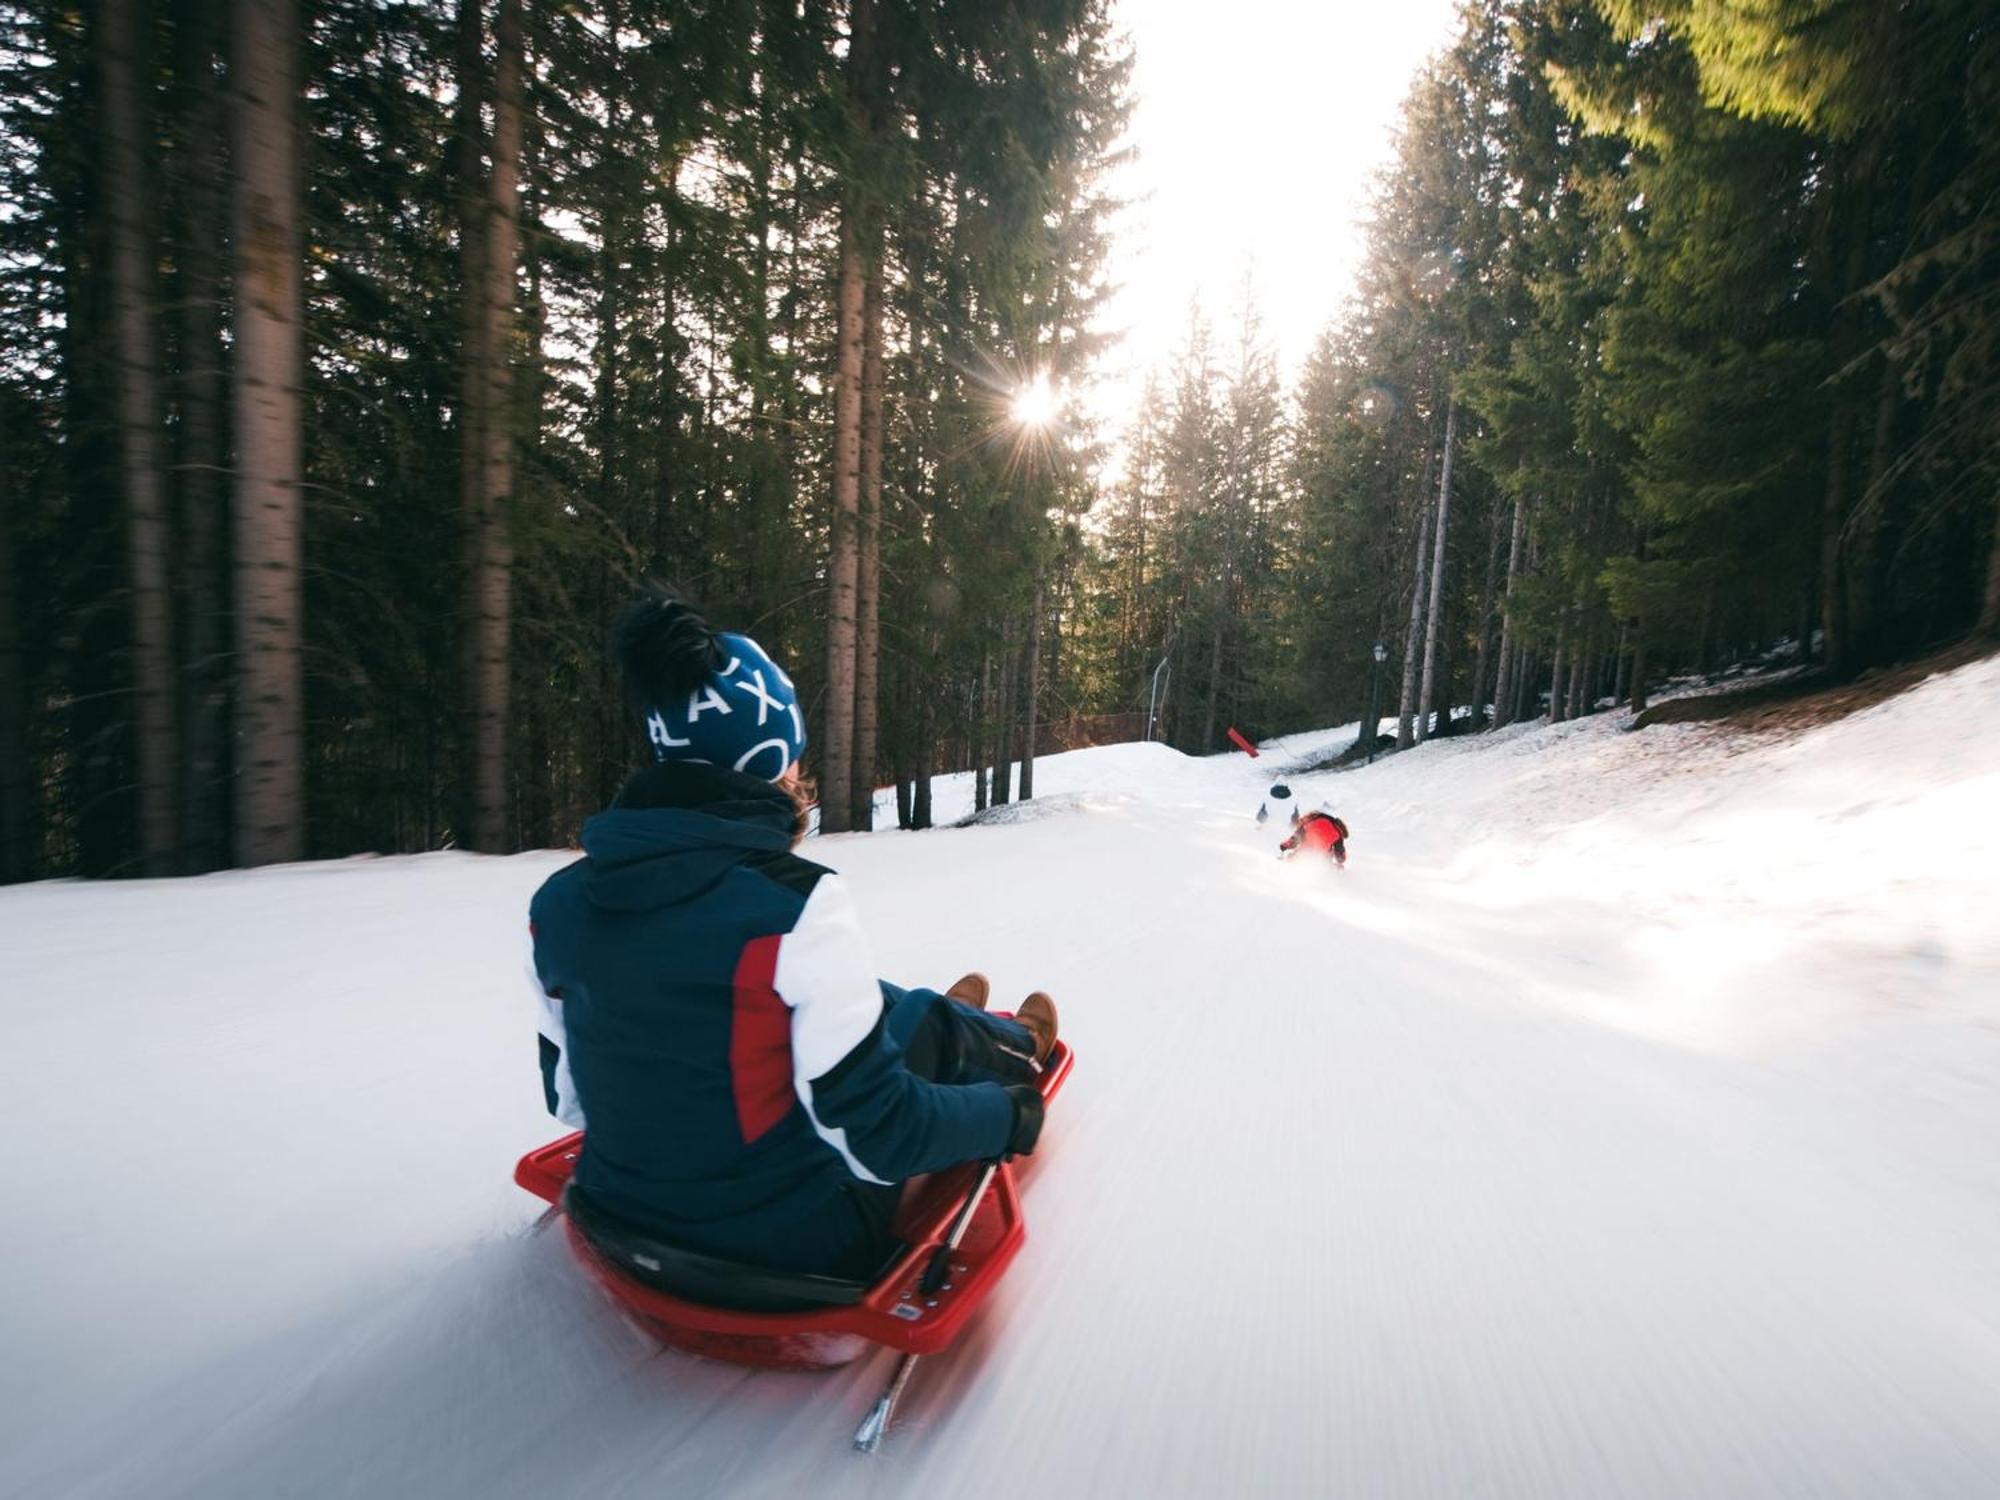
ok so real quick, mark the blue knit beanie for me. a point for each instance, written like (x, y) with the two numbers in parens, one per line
(745, 716)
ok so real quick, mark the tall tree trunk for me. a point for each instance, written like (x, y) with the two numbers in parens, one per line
(1214, 684)
(1581, 688)
(270, 703)
(203, 457)
(1033, 694)
(1579, 657)
(490, 543)
(1835, 643)
(1558, 703)
(920, 794)
(1848, 184)
(843, 565)
(123, 48)
(551, 724)
(1006, 721)
(96, 728)
(474, 388)
(1424, 697)
(1864, 532)
(17, 785)
(1406, 704)
(868, 572)
(608, 743)
(1989, 609)
(1503, 692)
(1484, 658)
(979, 720)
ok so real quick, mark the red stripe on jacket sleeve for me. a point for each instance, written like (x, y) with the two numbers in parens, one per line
(760, 1042)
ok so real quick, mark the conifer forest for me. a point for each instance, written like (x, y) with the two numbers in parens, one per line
(360, 358)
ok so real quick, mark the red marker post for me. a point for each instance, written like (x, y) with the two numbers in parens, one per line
(1242, 744)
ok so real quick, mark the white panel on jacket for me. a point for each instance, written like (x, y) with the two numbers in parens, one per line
(549, 1021)
(826, 974)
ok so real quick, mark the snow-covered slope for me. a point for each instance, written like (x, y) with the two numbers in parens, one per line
(1621, 1122)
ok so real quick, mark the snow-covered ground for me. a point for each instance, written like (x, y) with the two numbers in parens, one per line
(1621, 1122)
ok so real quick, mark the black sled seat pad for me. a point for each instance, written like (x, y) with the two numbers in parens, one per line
(707, 1279)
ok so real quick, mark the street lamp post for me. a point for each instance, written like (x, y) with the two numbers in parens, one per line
(1374, 728)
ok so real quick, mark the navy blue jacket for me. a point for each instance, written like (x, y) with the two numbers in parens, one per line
(711, 1016)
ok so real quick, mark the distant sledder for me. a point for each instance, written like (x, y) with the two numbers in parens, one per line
(1318, 832)
(1280, 802)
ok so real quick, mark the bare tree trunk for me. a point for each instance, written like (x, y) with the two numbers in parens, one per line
(979, 766)
(123, 48)
(836, 775)
(612, 480)
(474, 387)
(1557, 702)
(1484, 658)
(1848, 181)
(1214, 681)
(17, 786)
(1580, 670)
(920, 795)
(270, 704)
(1862, 562)
(540, 786)
(837, 760)
(203, 457)
(1579, 657)
(1989, 610)
(868, 576)
(1424, 697)
(1407, 703)
(1033, 694)
(1006, 721)
(1503, 692)
(472, 261)
(489, 586)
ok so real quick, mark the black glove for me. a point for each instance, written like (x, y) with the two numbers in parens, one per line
(1027, 1100)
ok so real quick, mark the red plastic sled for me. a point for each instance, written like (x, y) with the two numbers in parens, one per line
(894, 1313)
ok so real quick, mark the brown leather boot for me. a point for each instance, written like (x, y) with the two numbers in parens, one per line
(971, 990)
(1038, 1014)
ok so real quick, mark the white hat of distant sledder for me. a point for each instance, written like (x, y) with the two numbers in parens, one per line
(707, 697)
(1279, 798)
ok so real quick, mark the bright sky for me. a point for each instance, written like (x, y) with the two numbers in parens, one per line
(1260, 124)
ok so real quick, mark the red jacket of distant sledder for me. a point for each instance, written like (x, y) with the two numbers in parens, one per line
(1319, 832)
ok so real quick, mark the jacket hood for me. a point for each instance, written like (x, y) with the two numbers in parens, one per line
(678, 829)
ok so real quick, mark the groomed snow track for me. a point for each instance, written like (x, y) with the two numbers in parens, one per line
(1621, 1123)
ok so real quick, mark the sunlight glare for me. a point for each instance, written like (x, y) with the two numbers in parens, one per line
(1035, 403)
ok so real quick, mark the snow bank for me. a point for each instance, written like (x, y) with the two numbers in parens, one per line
(1620, 1122)
(1152, 770)
(1752, 886)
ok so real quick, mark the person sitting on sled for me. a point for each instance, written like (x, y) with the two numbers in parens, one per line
(1278, 800)
(1322, 833)
(709, 1005)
